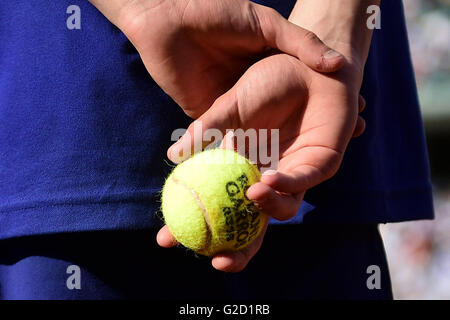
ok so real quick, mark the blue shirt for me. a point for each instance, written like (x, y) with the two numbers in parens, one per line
(84, 129)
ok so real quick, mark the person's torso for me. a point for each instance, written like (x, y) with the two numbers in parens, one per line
(82, 123)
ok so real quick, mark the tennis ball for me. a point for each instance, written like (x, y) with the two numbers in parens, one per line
(205, 206)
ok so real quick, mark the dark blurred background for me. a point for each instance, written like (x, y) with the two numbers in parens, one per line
(419, 252)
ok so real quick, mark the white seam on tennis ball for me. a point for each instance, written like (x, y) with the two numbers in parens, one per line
(202, 208)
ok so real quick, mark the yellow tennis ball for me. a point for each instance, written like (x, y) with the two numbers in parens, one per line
(205, 206)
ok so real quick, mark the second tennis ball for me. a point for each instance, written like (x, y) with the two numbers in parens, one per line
(205, 206)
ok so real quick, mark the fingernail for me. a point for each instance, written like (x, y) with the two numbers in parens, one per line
(331, 54)
(269, 172)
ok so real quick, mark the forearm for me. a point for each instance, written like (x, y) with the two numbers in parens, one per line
(342, 25)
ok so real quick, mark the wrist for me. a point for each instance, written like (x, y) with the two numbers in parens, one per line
(124, 14)
(339, 24)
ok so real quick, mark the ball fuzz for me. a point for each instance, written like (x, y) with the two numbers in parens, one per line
(205, 206)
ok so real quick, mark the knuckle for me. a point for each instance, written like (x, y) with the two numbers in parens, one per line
(267, 20)
(311, 37)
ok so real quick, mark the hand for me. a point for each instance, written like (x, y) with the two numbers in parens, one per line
(196, 50)
(316, 114)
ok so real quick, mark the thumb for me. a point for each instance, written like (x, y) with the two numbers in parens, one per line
(208, 129)
(285, 36)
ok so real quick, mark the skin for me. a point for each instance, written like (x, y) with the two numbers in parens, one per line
(196, 50)
(316, 113)
(315, 127)
(212, 58)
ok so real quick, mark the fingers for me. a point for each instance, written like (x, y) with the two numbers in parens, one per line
(361, 103)
(280, 206)
(227, 261)
(303, 169)
(300, 180)
(237, 260)
(280, 194)
(281, 34)
(165, 239)
(361, 123)
(360, 127)
(209, 128)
